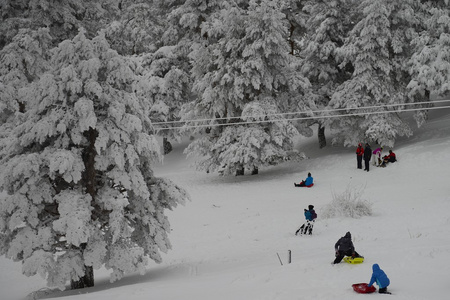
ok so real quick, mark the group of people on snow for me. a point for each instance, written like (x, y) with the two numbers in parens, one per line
(366, 153)
(344, 246)
(310, 214)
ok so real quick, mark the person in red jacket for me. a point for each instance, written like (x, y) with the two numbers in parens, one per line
(359, 155)
(391, 158)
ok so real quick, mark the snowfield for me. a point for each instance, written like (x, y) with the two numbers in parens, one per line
(226, 240)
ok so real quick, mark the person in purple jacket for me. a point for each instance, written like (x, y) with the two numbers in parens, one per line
(376, 157)
(380, 278)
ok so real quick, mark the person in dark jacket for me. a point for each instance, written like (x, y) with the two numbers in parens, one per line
(380, 278)
(344, 247)
(367, 156)
(359, 155)
(310, 216)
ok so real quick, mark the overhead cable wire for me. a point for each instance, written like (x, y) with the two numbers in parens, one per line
(307, 112)
(301, 118)
(304, 112)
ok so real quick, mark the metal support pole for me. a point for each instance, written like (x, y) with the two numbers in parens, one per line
(279, 259)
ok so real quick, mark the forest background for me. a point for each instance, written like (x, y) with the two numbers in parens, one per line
(88, 87)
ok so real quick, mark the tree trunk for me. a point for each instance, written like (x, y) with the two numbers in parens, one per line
(255, 171)
(321, 136)
(90, 184)
(86, 281)
(427, 95)
(89, 175)
(240, 171)
(291, 41)
(167, 146)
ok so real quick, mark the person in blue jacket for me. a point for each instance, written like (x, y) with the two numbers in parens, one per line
(308, 182)
(310, 216)
(380, 278)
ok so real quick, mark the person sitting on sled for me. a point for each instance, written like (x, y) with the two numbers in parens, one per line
(310, 216)
(380, 278)
(308, 182)
(391, 158)
(344, 247)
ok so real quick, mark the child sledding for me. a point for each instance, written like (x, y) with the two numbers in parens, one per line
(378, 277)
(310, 216)
(344, 247)
(308, 182)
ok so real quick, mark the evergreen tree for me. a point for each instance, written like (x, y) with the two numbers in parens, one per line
(28, 29)
(163, 67)
(76, 166)
(377, 49)
(22, 62)
(138, 27)
(297, 24)
(430, 63)
(166, 85)
(244, 66)
(327, 26)
(62, 18)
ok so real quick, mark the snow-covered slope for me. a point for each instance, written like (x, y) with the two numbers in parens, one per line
(226, 240)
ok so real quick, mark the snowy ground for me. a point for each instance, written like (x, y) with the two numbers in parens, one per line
(226, 240)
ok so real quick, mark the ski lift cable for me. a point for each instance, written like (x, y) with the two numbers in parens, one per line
(314, 111)
(301, 118)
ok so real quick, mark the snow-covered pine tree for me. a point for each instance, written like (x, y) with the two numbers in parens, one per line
(77, 171)
(62, 18)
(166, 85)
(327, 25)
(164, 81)
(186, 19)
(296, 18)
(22, 61)
(377, 50)
(138, 27)
(430, 63)
(244, 68)
(28, 29)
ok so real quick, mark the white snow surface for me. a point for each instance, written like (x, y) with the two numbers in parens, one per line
(226, 240)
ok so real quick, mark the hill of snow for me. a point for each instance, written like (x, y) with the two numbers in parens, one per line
(226, 240)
